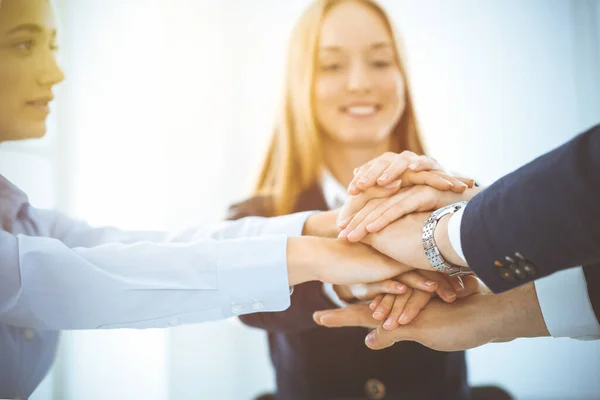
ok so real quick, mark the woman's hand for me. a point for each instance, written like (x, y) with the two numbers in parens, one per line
(337, 262)
(390, 167)
(427, 282)
(369, 213)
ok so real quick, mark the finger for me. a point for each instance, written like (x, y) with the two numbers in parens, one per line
(355, 203)
(456, 283)
(470, 182)
(352, 188)
(381, 339)
(415, 280)
(398, 309)
(394, 171)
(415, 304)
(400, 209)
(352, 315)
(458, 186)
(472, 286)
(376, 169)
(444, 290)
(384, 308)
(368, 291)
(425, 163)
(350, 231)
(375, 303)
(428, 178)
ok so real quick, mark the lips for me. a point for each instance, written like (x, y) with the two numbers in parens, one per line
(41, 103)
(362, 110)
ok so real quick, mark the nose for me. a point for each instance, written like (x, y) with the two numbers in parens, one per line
(359, 80)
(50, 73)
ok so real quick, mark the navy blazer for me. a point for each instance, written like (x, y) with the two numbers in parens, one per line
(314, 363)
(540, 219)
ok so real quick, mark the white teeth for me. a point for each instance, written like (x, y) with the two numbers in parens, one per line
(361, 110)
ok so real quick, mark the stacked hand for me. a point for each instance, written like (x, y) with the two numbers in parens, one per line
(391, 197)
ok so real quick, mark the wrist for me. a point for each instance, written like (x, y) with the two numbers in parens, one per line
(322, 224)
(442, 240)
(519, 314)
(298, 260)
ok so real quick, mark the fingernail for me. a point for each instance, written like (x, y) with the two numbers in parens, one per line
(448, 182)
(430, 283)
(387, 323)
(372, 306)
(383, 177)
(377, 315)
(352, 188)
(364, 179)
(402, 317)
(370, 338)
(449, 294)
(353, 235)
(394, 184)
(344, 233)
(400, 287)
(373, 227)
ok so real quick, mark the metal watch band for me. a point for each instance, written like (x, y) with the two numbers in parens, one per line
(431, 250)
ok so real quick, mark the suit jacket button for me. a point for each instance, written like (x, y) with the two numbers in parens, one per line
(528, 267)
(375, 389)
(507, 275)
(517, 271)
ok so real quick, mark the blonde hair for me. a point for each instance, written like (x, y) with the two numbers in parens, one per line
(294, 158)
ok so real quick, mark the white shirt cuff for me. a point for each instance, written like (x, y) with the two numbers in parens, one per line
(454, 232)
(566, 306)
(253, 275)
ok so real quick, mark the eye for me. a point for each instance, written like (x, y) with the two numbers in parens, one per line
(331, 67)
(24, 46)
(381, 64)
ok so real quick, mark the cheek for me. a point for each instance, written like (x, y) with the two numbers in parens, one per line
(10, 95)
(394, 91)
(327, 91)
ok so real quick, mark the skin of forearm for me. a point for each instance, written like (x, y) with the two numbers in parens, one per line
(520, 315)
(298, 258)
(321, 224)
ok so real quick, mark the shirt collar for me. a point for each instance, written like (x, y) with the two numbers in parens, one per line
(12, 199)
(334, 193)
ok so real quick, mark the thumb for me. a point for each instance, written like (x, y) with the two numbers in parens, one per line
(381, 338)
(352, 315)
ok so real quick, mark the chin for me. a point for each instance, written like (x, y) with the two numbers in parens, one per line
(34, 131)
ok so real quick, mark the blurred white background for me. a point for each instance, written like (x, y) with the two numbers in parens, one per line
(165, 114)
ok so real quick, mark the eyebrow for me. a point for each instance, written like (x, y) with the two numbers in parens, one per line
(26, 27)
(374, 46)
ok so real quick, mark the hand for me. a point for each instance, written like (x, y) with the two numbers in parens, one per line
(368, 213)
(361, 315)
(425, 281)
(470, 322)
(390, 167)
(337, 262)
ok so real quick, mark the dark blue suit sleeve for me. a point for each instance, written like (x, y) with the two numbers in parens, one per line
(548, 211)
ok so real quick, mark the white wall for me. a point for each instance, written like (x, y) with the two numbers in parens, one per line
(165, 112)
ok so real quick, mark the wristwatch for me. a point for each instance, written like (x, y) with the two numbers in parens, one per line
(431, 250)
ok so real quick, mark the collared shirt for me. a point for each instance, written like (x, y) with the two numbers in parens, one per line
(59, 273)
(563, 296)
